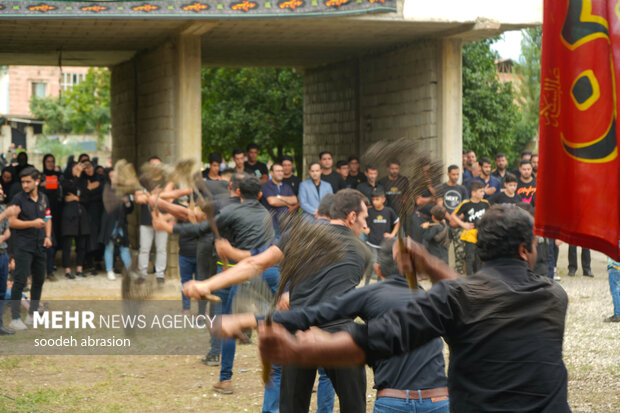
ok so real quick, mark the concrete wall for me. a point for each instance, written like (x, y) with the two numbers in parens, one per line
(352, 104)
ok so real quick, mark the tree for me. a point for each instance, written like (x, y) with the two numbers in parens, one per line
(261, 105)
(85, 108)
(489, 112)
(529, 91)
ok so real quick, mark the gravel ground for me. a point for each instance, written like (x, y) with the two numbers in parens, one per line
(182, 383)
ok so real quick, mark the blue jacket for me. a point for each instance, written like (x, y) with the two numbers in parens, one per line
(309, 199)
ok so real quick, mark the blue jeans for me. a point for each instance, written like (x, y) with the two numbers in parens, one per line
(393, 405)
(614, 289)
(108, 253)
(229, 347)
(187, 269)
(271, 397)
(325, 394)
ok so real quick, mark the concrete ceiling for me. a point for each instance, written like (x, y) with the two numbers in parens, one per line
(290, 42)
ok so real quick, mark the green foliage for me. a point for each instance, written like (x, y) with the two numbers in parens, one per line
(59, 149)
(85, 108)
(489, 113)
(529, 92)
(261, 105)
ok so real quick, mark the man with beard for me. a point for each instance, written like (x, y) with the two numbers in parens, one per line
(348, 218)
(395, 186)
(32, 235)
(289, 178)
(500, 167)
(355, 177)
(526, 187)
(491, 184)
(504, 325)
(255, 167)
(328, 174)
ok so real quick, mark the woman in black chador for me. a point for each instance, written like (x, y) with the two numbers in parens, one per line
(75, 223)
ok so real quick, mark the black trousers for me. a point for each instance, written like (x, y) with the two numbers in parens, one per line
(472, 261)
(296, 388)
(572, 259)
(28, 263)
(80, 250)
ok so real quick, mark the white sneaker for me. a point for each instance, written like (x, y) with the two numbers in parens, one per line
(29, 320)
(111, 276)
(17, 324)
(556, 277)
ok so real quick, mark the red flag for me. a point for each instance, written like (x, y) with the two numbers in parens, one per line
(578, 188)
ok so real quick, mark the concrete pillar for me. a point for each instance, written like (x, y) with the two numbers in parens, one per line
(188, 97)
(156, 110)
(450, 102)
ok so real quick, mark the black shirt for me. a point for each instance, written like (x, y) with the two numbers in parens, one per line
(453, 196)
(505, 328)
(331, 281)
(473, 211)
(293, 181)
(380, 222)
(394, 190)
(502, 198)
(526, 191)
(354, 181)
(366, 189)
(246, 225)
(335, 180)
(423, 368)
(29, 239)
(258, 169)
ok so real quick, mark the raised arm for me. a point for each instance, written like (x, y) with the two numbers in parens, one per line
(245, 270)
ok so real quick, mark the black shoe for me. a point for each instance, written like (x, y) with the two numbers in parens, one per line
(94, 272)
(612, 319)
(80, 274)
(6, 331)
(211, 360)
(117, 271)
(571, 273)
(51, 277)
(588, 274)
(160, 280)
(70, 276)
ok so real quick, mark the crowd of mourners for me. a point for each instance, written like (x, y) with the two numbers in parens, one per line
(67, 209)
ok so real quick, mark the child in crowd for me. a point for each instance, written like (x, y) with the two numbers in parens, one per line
(436, 236)
(509, 194)
(382, 223)
(468, 215)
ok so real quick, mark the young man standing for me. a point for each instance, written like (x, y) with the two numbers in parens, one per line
(253, 166)
(526, 187)
(371, 183)
(382, 223)
(342, 167)
(355, 176)
(500, 167)
(328, 174)
(239, 159)
(278, 197)
(453, 195)
(32, 235)
(395, 185)
(288, 177)
(491, 184)
(468, 215)
(468, 165)
(509, 195)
